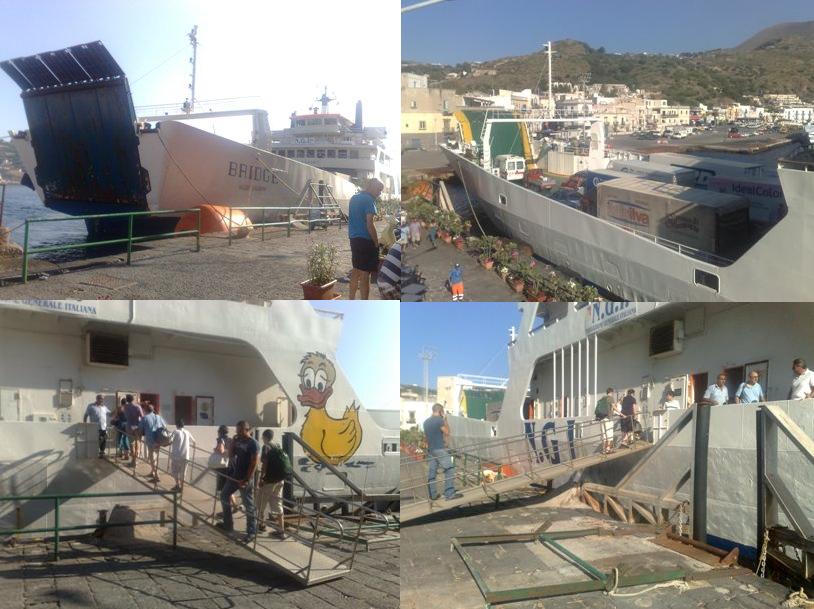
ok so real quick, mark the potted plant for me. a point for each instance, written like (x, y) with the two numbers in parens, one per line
(520, 270)
(321, 273)
(487, 247)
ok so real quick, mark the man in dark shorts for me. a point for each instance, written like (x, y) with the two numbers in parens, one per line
(364, 241)
(628, 417)
(436, 432)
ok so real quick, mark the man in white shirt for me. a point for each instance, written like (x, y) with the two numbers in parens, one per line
(179, 454)
(98, 413)
(671, 403)
(802, 385)
(716, 394)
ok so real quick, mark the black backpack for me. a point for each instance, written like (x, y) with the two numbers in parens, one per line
(278, 465)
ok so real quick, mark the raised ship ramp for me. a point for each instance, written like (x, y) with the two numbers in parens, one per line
(486, 469)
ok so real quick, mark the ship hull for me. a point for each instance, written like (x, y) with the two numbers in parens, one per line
(635, 267)
(188, 167)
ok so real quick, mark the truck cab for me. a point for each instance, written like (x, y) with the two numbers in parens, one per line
(511, 167)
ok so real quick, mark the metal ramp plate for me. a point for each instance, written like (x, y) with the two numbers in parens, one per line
(288, 555)
(487, 491)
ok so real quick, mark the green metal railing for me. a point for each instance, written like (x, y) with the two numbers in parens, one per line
(290, 219)
(129, 240)
(58, 499)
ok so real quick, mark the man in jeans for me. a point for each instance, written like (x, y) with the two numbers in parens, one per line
(243, 458)
(436, 432)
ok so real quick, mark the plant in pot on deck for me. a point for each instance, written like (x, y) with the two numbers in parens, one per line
(488, 247)
(321, 273)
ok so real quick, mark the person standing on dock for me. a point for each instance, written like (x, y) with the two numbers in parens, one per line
(750, 392)
(134, 414)
(456, 282)
(98, 413)
(364, 240)
(802, 385)
(389, 278)
(436, 432)
(243, 459)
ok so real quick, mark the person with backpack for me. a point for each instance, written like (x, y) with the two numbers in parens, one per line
(151, 426)
(606, 407)
(275, 466)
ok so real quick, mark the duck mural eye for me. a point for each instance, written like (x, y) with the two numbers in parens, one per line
(334, 440)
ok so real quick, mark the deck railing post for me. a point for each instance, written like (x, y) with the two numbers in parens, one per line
(198, 232)
(2, 201)
(129, 237)
(288, 224)
(230, 225)
(56, 528)
(263, 225)
(174, 520)
(25, 254)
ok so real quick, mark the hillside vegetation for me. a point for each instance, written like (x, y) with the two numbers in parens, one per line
(779, 59)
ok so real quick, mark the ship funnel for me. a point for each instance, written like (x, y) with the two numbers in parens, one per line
(359, 126)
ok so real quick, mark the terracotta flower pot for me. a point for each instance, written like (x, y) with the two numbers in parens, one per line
(487, 263)
(447, 238)
(459, 243)
(517, 285)
(318, 292)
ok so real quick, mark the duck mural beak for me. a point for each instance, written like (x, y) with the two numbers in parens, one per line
(314, 398)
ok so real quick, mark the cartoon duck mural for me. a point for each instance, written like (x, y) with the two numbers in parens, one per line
(336, 440)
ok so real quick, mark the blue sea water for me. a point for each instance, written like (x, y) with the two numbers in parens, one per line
(22, 204)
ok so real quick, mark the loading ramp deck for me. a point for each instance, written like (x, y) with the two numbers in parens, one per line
(536, 475)
(295, 556)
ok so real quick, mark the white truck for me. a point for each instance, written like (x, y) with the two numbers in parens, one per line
(707, 221)
(510, 167)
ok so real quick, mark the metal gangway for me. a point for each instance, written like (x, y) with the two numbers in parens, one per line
(296, 555)
(487, 468)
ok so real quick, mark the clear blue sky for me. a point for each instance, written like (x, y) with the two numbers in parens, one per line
(477, 30)
(368, 349)
(469, 338)
(278, 54)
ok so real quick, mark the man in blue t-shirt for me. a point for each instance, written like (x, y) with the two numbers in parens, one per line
(364, 241)
(436, 432)
(243, 459)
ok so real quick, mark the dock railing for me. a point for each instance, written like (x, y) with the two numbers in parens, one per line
(58, 499)
(129, 239)
(317, 215)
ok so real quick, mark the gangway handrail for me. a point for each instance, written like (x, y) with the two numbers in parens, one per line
(344, 478)
(524, 454)
(58, 498)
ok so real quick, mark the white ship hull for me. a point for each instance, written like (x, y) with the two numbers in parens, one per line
(634, 267)
(188, 167)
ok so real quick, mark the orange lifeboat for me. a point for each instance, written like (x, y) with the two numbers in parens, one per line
(215, 219)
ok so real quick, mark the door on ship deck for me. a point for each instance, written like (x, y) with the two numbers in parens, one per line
(185, 409)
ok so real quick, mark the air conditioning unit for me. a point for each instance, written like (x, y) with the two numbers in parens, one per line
(667, 338)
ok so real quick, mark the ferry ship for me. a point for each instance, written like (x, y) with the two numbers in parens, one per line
(564, 356)
(632, 264)
(209, 363)
(86, 151)
(336, 144)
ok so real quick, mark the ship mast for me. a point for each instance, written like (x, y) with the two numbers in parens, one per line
(189, 107)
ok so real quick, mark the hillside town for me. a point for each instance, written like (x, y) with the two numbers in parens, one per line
(428, 111)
